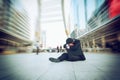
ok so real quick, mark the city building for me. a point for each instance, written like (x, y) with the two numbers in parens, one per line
(97, 25)
(14, 25)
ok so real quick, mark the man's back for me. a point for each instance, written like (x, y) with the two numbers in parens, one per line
(76, 49)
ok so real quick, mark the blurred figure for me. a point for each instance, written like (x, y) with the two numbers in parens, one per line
(37, 47)
(58, 49)
(74, 52)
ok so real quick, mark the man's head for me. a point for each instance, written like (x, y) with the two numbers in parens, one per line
(69, 40)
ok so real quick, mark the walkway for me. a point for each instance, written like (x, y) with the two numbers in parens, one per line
(38, 67)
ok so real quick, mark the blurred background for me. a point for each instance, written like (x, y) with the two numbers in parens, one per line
(23, 23)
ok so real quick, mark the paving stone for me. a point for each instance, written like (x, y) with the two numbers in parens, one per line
(98, 66)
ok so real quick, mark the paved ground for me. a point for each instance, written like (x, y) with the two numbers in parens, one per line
(37, 67)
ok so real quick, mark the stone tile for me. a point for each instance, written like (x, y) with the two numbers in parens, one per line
(38, 67)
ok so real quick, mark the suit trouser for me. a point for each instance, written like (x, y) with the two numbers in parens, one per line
(66, 56)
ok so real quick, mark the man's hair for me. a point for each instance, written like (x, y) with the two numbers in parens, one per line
(69, 40)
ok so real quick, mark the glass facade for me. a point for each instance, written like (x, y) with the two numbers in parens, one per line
(79, 13)
(14, 26)
(101, 22)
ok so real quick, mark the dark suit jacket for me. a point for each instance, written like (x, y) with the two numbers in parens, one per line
(75, 52)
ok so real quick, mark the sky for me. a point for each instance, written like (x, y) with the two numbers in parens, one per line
(55, 34)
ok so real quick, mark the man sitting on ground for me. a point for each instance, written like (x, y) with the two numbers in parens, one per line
(74, 52)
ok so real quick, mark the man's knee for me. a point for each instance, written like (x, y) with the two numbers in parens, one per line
(64, 56)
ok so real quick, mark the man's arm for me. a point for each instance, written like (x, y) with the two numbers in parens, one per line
(66, 46)
(76, 45)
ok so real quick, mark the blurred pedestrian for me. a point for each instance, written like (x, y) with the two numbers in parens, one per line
(37, 47)
(61, 49)
(58, 49)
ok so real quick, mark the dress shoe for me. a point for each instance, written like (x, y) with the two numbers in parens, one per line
(54, 60)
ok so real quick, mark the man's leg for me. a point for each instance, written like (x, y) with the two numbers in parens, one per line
(63, 57)
(76, 58)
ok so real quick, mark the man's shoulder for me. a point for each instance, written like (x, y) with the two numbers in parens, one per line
(77, 40)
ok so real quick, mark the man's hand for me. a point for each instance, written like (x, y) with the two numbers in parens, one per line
(71, 44)
(67, 46)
